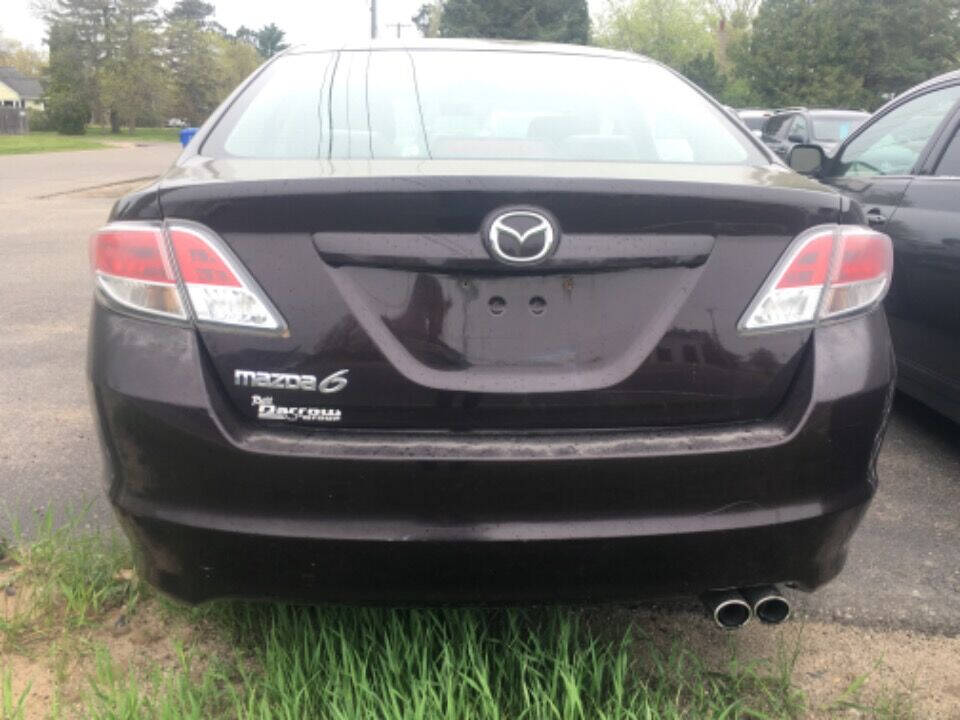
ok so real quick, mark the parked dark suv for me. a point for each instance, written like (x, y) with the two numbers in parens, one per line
(904, 167)
(798, 126)
(455, 322)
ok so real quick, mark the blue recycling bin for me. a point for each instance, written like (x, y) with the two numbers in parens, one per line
(186, 135)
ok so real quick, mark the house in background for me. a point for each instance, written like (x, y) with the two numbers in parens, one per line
(19, 91)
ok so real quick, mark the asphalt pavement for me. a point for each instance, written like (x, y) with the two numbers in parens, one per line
(904, 566)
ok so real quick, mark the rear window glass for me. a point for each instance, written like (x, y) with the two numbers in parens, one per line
(438, 104)
(775, 124)
(835, 129)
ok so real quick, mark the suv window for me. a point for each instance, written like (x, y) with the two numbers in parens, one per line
(775, 124)
(893, 143)
(799, 127)
(949, 164)
(440, 104)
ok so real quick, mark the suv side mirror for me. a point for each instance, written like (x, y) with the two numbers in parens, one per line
(794, 138)
(806, 159)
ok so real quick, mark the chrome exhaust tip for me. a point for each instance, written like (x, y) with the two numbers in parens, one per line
(767, 603)
(728, 608)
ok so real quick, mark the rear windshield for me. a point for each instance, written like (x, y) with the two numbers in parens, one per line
(754, 122)
(836, 129)
(447, 105)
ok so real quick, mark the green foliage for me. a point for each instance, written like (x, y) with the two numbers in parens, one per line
(270, 40)
(37, 121)
(706, 73)
(192, 65)
(675, 32)
(235, 60)
(72, 574)
(120, 62)
(37, 142)
(565, 21)
(820, 53)
(26, 59)
(427, 19)
(69, 88)
(191, 11)
(849, 53)
(12, 706)
(132, 80)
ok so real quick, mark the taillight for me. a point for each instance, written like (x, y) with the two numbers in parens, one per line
(134, 269)
(220, 292)
(828, 272)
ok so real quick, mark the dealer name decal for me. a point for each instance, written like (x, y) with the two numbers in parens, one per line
(267, 410)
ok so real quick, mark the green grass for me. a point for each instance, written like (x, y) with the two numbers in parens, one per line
(71, 573)
(96, 137)
(347, 663)
(36, 142)
(277, 661)
(147, 134)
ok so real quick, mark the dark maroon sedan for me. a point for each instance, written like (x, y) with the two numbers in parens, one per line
(474, 322)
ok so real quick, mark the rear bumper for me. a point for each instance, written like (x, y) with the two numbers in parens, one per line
(218, 507)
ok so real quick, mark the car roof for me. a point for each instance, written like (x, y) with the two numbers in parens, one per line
(945, 78)
(820, 111)
(467, 44)
(839, 113)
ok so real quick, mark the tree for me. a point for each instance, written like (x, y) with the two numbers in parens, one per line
(270, 40)
(565, 21)
(26, 59)
(193, 69)
(236, 59)
(848, 53)
(68, 97)
(130, 79)
(245, 34)
(132, 83)
(675, 32)
(705, 72)
(193, 11)
(427, 19)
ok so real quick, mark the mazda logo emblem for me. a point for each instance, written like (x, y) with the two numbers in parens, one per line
(520, 237)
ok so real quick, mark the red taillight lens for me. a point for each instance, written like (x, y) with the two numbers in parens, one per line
(198, 262)
(811, 265)
(220, 292)
(828, 271)
(132, 253)
(863, 271)
(132, 268)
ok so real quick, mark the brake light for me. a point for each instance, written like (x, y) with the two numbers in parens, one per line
(218, 289)
(828, 271)
(133, 268)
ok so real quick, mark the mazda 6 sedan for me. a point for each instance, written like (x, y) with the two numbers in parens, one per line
(469, 322)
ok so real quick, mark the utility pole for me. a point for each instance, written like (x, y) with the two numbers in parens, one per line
(398, 25)
(373, 19)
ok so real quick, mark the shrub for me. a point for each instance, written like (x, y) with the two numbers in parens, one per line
(38, 119)
(69, 115)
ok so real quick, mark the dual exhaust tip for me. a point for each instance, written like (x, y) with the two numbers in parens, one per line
(732, 609)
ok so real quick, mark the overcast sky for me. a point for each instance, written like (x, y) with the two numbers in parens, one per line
(313, 21)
